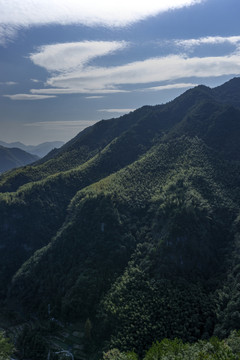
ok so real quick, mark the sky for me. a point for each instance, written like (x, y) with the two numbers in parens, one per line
(66, 64)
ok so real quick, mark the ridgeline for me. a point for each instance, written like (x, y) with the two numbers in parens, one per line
(133, 224)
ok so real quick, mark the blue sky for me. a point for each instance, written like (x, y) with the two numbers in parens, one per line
(65, 64)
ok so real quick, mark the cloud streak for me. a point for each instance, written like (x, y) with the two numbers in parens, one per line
(94, 97)
(208, 40)
(69, 91)
(29, 97)
(171, 86)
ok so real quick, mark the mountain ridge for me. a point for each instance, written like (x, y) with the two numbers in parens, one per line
(40, 150)
(138, 231)
(13, 157)
(75, 152)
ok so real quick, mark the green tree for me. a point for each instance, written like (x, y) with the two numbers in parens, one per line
(6, 348)
(115, 354)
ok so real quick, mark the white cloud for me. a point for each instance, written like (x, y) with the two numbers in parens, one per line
(28, 97)
(10, 83)
(70, 91)
(94, 97)
(103, 80)
(208, 40)
(35, 80)
(71, 56)
(17, 14)
(124, 111)
(26, 13)
(171, 86)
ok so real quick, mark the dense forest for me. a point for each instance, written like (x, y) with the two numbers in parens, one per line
(132, 230)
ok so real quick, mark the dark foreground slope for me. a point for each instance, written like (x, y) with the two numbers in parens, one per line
(13, 157)
(140, 232)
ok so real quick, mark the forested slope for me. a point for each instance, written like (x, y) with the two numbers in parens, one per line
(173, 223)
(135, 223)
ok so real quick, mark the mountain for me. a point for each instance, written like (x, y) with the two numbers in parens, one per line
(39, 150)
(229, 92)
(13, 157)
(133, 225)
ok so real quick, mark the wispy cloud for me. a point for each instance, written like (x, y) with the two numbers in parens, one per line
(80, 90)
(103, 80)
(71, 72)
(121, 111)
(94, 97)
(29, 97)
(208, 40)
(170, 87)
(7, 32)
(18, 13)
(72, 56)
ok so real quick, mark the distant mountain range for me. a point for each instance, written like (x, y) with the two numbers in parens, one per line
(13, 157)
(133, 226)
(39, 150)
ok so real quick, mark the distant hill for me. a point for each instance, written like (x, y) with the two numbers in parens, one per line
(13, 157)
(39, 150)
(133, 225)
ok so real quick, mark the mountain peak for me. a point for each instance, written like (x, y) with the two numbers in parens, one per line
(144, 204)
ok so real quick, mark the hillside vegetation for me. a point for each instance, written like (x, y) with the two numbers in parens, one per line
(133, 224)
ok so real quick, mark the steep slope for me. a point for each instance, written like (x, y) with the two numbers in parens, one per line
(34, 222)
(170, 212)
(83, 147)
(152, 121)
(135, 222)
(32, 215)
(92, 140)
(13, 157)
